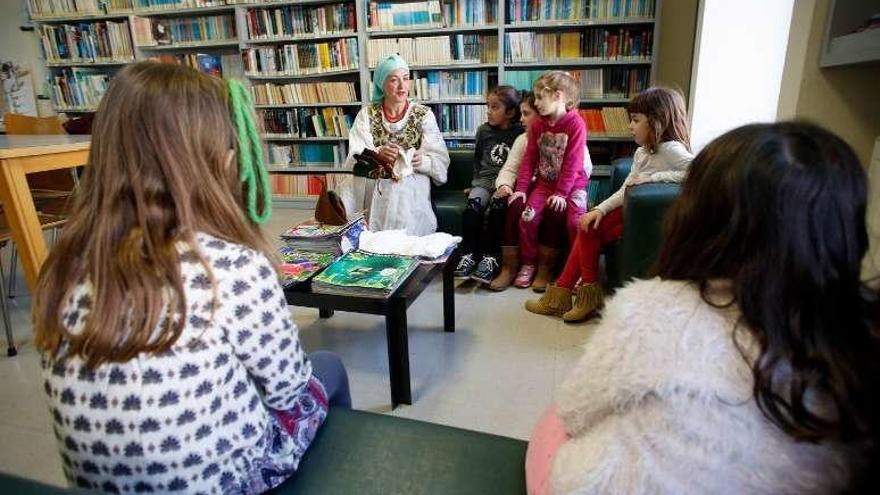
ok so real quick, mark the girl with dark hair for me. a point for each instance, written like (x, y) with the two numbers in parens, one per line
(747, 365)
(479, 254)
(658, 122)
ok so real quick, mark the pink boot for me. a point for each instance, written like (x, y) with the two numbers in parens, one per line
(525, 276)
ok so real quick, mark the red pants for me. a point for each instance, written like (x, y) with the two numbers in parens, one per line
(583, 261)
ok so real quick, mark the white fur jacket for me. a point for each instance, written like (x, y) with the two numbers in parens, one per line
(661, 402)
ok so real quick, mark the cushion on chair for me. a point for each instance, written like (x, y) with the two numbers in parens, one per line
(367, 453)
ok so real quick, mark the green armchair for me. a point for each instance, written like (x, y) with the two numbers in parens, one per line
(449, 199)
(366, 453)
(644, 208)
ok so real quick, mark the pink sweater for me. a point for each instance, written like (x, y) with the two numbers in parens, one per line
(558, 152)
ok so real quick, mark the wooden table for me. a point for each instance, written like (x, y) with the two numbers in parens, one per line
(394, 311)
(22, 155)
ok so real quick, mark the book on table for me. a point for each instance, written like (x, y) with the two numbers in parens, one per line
(334, 239)
(364, 274)
(298, 266)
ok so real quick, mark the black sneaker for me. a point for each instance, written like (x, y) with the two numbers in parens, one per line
(486, 270)
(465, 266)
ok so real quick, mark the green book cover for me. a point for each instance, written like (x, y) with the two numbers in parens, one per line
(364, 273)
(298, 265)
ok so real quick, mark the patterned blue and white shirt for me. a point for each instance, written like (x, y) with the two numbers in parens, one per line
(203, 416)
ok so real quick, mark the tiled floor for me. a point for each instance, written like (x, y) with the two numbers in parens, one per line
(496, 373)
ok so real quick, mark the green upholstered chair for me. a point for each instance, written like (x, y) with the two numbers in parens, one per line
(366, 453)
(644, 208)
(449, 199)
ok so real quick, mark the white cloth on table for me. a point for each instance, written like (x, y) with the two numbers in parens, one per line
(398, 242)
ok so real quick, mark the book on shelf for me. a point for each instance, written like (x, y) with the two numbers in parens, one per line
(589, 44)
(574, 10)
(296, 93)
(307, 122)
(179, 4)
(359, 273)
(470, 13)
(405, 15)
(460, 120)
(435, 84)
(455, 144)
(159, 31)
(436, 50)
(298, 186)
(595, 84)
(335, 239)
(78, 89)
(597, 191)
(47, 8)
(301, 58)
(299, 265)
(607, 121)
(96, 41)
(228, 65)
(298, 20)
(307, 155)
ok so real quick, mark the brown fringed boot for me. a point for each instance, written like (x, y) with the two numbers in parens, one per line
(546, 263)
(509, 266)
(587, 300)
(555, 302)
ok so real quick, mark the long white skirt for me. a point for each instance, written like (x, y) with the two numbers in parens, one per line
(392, 205)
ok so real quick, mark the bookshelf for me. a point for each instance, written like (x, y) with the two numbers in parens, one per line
(847, 39)
(305, 58)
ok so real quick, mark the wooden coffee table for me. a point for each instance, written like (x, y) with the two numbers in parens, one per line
(394, 310)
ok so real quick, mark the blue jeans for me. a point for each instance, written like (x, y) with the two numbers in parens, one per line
(329, 370)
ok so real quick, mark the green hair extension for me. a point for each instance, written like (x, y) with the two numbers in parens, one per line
(252, 169)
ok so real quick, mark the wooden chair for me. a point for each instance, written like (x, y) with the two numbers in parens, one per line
(51, 190)
(47, 222)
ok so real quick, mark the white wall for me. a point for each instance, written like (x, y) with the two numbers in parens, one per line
(738, 64)
(22, 46)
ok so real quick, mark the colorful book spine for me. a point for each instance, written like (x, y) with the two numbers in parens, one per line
(436, 50)
(296, 20)
(87, 42)
(575, 10)
(293, 186)
(590, 44)
(435, 85)
(460, 121)
(78, 89)
(297, 93)
(301, 58)
(595, 84)
(307, 122)
(307, 155)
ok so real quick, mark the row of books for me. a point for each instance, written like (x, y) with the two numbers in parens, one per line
(436, 50)
(434, 84)
(460, 120)
(87, 42)
(228, 66)
(303, 185)
(307, 154)
(96, 7)
(153, 31)
(605, 82)
(307, 122)
(627, 44)
(296, 20)
(58, 7)
(572, 10)
(405, 15)
(179, 4)
(78, 89)
(301, 58)
(289, 94)
(607, 121)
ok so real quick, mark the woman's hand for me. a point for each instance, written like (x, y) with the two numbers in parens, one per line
(417, 160)
(515, 196)
(591, 220)
(503, 191)
(556, 203)
(388, 153)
